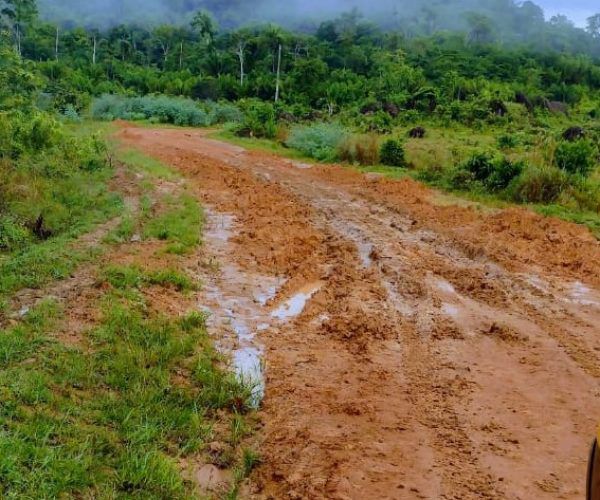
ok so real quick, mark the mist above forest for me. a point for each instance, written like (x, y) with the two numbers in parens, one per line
(421, 16)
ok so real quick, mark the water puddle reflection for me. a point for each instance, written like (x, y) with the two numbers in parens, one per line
(293, 306)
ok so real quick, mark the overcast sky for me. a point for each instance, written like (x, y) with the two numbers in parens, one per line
(576, 10)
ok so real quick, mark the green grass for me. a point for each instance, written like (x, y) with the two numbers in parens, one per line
(108, 419)
(268, 145)
(179, 224)
(138, 161)
(123, 277)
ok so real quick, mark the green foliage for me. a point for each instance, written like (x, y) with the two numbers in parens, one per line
(259, 120)
(180, 224)
(392, 153)
(320, 141)
(108, 420)
(161, 109)
(504, 172)
(539, 185)
(13, 235)
(482, 171)
(53, 187)
(480, 166)
(507, 141)
(578, 157)
(123, 277)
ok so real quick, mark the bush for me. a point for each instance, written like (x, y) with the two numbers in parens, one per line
(539, 185)
(392, 153)
(321, 141)
(504, 171)
(480, 165)
(12, 234)
(259, 120)
(578, 157)
(160, 109)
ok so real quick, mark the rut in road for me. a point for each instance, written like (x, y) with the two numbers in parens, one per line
(444, 351)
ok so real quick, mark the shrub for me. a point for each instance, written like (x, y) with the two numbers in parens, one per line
(392, 153)
(259, 120)
(578, 157)
(13, 235)
(161, 109)
(481, 165)
(320, 141)
(223, 112)
(539, 185)
(504, 171)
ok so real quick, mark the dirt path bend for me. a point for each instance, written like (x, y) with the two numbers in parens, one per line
(412, 348)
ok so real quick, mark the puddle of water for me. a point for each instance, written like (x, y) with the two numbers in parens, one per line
(364, 252)
(537, 283)
(263, 297)
(301, 165)
(582, 294)
(450, 310)
(242, 331)
(296, 304)
(248, 366)
(399, 303)
(445, 286)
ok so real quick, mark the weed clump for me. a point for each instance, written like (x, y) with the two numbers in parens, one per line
(539, 185)
(392, 153)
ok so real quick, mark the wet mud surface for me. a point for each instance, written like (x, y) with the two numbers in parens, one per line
(403, 348)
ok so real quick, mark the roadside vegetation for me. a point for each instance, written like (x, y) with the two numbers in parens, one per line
(106, 391)
(470, 112)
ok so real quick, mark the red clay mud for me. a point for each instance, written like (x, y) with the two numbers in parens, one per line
(447, 352)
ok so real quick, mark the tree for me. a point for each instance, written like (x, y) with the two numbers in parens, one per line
(593, 26)
(480, 28)
(205, 26)
(16, 14)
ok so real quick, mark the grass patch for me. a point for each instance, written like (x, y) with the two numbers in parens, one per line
(142, 163)
(268, 145)
(42, 263)
(123, 277)
(112, 419)
(179, 224)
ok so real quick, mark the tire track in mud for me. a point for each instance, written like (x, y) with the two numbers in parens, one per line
(422, 366)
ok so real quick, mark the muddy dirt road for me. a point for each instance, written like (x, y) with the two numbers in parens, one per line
(412, 348)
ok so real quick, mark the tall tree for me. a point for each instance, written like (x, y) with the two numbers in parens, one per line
(17, 14)
(593, 26)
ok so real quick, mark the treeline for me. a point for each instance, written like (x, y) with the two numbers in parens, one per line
(505, 21)
(346, 64)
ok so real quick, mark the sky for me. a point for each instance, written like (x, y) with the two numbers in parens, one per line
(576, 10)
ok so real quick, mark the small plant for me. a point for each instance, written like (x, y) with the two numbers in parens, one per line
(392, 153)
(577, 157)
(507, 141)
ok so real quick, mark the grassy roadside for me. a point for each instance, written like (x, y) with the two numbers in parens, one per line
(120, 393)
(423, 154)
